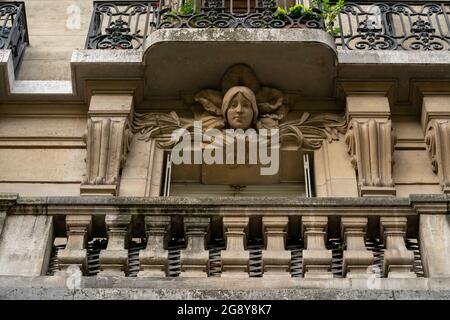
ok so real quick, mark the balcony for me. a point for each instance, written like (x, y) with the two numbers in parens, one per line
(357, 25)
(13, 30)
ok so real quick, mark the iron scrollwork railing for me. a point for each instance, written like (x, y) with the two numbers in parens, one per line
(121, 24)
(394, 26)
(237, 14)
(13, 29)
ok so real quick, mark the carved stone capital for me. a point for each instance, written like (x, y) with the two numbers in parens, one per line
(370, 142)
(75, 253)
(108, 139)
(153, 260)
(114, 260)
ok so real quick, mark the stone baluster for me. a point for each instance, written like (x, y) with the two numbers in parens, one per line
(276, 259)
(398, 260)
(235, 258)
(114, 260)
(153, 259)
(194, 259)
(356, 258)
(316, 258)
(75, 253)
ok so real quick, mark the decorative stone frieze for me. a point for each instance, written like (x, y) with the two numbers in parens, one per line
(108, 139)
(275, 258)
(316, 258)
(114, 260)
(436, 125)
(398, 260)
(356, 258)
(194, 259)
(370, 142)
(75, 253)
(153, 261)
(235, 259)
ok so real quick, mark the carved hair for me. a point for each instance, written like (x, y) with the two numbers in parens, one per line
(247, 93)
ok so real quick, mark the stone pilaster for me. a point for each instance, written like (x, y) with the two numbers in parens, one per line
(235, 258)
(398, 260)
(107, 140)
(75, 253)
(154, 260)
(356, 257)
(276, 259)
(370, 142)
(114, 260)
(436, 126)
(194, 259)
(316, 258)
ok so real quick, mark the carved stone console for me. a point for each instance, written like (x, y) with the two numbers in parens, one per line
(75, 253)
(436, 126)
(370, 143)
(107, 139)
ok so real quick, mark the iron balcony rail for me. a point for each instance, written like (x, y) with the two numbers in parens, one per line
(13, 29)
(359, 25)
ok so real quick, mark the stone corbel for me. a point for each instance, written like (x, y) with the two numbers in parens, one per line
(436, 125)
(276, 259)
(108, 139)
(398, 260)
(316, 258)
(75, 253)
(370, 143)
(194, 259)
(356, 259)
(154, 260)
(235, 258)
(114, 260)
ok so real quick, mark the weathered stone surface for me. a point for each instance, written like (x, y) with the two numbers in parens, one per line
(25, 245)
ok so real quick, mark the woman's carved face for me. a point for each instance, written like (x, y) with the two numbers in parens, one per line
(240, 112)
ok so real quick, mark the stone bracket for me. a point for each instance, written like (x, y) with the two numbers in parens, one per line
(275, 258)
(108, 139)
(235, 258)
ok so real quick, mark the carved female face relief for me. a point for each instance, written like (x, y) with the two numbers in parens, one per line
(239, 108)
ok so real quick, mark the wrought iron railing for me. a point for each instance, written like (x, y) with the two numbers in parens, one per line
(360, 25)
(13, 29)
(392, 26)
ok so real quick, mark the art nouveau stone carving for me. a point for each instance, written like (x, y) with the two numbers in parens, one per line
(243, 103)
(108, 140)
(370, 143)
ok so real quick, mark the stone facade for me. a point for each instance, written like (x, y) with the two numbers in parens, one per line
(88, 190)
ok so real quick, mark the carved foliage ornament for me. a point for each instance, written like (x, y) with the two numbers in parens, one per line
(437, 140)
(243, 104)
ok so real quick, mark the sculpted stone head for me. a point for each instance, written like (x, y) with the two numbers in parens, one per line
(239, 108)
